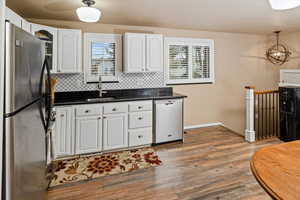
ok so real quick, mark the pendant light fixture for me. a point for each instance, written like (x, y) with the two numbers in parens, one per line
(284, 4)
(87, 13)
(278, 53)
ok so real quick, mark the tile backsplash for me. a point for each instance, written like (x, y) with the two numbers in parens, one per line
(75, 82)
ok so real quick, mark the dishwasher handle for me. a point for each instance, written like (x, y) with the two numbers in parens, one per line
(169, 103)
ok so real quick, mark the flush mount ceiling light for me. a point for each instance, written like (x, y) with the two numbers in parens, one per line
(87, 13)
(284, 4)
(278, 54)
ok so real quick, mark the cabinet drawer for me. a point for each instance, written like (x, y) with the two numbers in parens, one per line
(89, 110)
(140, 137)
(140, 106)
(140, 119)
(115, 108)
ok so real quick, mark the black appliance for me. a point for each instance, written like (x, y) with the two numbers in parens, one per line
(289, 105)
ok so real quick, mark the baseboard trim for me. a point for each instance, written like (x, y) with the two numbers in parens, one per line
(203, 125)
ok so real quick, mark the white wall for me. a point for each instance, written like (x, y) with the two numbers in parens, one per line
(2, 3)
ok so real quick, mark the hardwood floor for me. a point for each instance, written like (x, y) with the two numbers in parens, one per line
(213, 163)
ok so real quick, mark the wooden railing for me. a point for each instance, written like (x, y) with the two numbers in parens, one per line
(262, 120)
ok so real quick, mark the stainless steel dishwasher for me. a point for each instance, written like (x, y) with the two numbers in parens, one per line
(168, 120)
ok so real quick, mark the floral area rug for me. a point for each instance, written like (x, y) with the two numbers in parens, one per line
(90, 167)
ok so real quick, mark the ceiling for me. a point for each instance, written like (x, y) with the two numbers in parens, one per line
(245, 16)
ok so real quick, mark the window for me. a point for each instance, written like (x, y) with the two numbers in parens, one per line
(189, 60)
(102, 57)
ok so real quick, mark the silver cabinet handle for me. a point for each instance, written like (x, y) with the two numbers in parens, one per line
(62, 115)
(104, 117)
(99, 118)
(169, 135)
(140, 136)
(140, 107)
(140, 118)
(87, 111)
(114, 109)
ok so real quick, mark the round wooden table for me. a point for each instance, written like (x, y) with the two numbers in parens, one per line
(277, 169)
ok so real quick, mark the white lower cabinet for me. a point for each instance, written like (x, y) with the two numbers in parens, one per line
(115, 131)
(88, 134)
(140, 137)
(140, 123)
(63, 134)
(140, 119)
(93, 128)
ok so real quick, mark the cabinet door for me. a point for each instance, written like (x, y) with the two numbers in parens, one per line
(134, 46)
(115, 131)
(69, 51)
(154, 52)
(13, 17)
(26, 26)
(49, 35)
(63, 137)
(88, 134)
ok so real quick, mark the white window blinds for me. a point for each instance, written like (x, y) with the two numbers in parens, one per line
(103, 59)
(103, 56)
(189, 60)
(200, 61)
(178, 62)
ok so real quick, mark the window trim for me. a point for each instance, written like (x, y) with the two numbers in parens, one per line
(190, 42)
(105, 38)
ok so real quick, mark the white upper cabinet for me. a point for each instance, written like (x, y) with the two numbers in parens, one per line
(143, 52)
(17, 20)
(134, 52)
(13, 17)
(49, 35)
(62, 47)
(69, 51)
(26, 26)
(154, 52)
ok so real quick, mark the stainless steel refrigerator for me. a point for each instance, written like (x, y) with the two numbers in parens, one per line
(27, 115)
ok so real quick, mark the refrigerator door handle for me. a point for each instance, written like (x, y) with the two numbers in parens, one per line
(47, 95)
(41, 96)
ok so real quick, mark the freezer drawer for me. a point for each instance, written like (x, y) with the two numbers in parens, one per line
(168, 120)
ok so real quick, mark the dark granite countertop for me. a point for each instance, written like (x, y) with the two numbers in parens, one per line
(80, 97)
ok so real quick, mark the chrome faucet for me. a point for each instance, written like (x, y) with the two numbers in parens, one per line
(100, 89)
(100, 86)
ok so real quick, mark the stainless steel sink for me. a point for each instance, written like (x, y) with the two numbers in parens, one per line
(100, 99)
